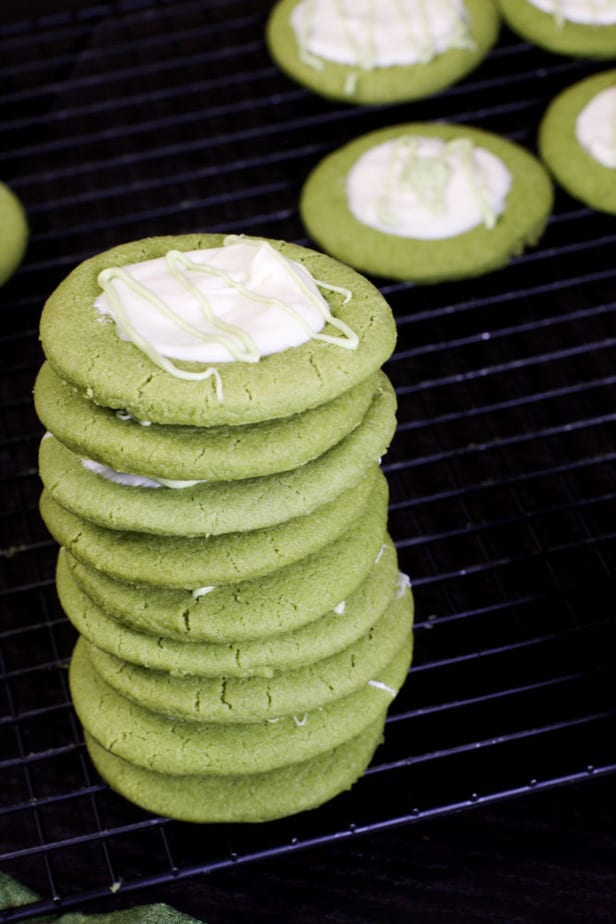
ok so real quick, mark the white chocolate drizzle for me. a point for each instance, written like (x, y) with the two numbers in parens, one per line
(235, 303)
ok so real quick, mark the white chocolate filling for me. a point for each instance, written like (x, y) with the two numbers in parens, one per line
(595, 127)
(133, 480)
(378, 33)
(427, 188)
(584, 12)
(238, 302)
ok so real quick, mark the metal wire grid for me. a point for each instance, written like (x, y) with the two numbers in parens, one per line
(127, 119)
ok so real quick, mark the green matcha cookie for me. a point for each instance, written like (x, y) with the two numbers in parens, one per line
(562, 36)
(167, 745)
(173, 561)
(367, 84)
(286, 651)
(573, 166)
(85, 350)
(211, 509)
(325, 210)
(13, 233)
(280, 602)
(187, 453)
(243, 694)
(249, 798)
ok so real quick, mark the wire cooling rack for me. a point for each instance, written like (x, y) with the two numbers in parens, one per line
(124, 119)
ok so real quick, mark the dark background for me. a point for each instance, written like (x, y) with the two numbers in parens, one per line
(493, 796)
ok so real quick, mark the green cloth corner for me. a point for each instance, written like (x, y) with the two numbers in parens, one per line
(15, 895)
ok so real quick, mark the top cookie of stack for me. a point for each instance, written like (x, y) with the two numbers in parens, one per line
(216, 415)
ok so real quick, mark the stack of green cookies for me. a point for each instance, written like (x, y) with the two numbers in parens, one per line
(216, 414)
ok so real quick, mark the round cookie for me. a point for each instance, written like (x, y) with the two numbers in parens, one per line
(326, 214)
(169, 745)
(244, 695)
(565, 38)
(280, 602)
(86, 351)
(250, 798)
(187, 453)
(390, 84)
(211, 509)
(13, 233)
(573, 167)
(173, 561)
(286, 651)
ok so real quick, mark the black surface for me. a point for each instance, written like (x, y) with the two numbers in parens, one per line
(124, 119)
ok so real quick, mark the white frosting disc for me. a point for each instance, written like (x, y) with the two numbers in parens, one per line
(379, 33)
(379, 196)
(588, 12)
(275, 285)
(595, 127)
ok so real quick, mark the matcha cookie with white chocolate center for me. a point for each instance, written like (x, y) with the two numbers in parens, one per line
(427, 202)
(579, 28)
(577, 140)
(135, 328)
(387, 52)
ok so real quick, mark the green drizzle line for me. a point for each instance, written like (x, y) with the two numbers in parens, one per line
(236, 340)
(476, 180)
(349, 340)
(105, 281)
(427, 178)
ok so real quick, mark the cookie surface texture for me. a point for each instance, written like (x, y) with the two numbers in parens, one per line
(572, 165)
(285, 651)
(174, 561)
(152, 740)
(327, 215)
(184, 453)
(563, 36)
(282, 601)
(85, 349)
(363, 83)
(213, 508)
(254, 798)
